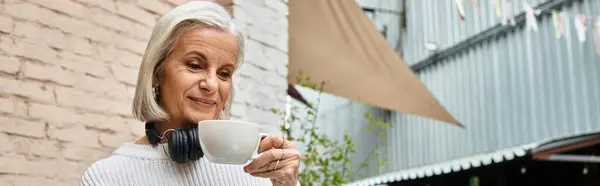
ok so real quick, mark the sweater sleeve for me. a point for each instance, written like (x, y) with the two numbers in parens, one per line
(89, 177)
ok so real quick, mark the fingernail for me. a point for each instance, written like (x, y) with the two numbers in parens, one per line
(247, 169)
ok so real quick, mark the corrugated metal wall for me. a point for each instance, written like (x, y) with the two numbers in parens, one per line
(387, 16)
(439, 22)
(337, 116)
(518, 88)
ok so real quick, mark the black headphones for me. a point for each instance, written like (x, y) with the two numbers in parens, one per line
(184, 144)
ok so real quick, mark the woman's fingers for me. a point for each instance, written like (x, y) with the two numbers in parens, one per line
(268, 160)
(270, 142)
(274, 166)
(287, 173)
(279, 161)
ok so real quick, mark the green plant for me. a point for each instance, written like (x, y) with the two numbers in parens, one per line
(327, 161)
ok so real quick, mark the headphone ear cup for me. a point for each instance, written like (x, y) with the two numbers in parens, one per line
(182, 148)
(173, 145)
(191, 152)
(185, 145)
(196, 151)
(177, 153)
(151, 133)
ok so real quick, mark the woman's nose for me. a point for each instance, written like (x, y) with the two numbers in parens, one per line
(209, 83)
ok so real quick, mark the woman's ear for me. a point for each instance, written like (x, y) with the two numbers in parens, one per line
(156, 80)
(155, 92)
(158, 73)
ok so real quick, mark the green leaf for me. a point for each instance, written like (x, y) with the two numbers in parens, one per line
(373, 155)
(371, 128)
(364, 164)
(327, 161)
(368, 115)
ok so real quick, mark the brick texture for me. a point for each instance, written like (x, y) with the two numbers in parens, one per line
(68, 70)
(261, 84)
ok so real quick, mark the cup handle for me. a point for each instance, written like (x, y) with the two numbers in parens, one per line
(256, 154)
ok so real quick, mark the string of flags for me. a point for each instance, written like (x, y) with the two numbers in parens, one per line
(597, 35)
(461, 9)
(561, 19)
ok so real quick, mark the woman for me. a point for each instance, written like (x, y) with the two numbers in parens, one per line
(186, 76)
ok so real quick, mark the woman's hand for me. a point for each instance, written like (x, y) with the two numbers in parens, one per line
(280, 161)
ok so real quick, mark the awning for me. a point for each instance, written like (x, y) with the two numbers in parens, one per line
(333, 41)
(227, 4)
(293, 92)
(547, 150)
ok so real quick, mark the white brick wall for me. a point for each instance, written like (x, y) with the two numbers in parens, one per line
(67, 76)
(261, 83)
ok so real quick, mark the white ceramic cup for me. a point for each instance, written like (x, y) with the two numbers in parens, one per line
(229, 141)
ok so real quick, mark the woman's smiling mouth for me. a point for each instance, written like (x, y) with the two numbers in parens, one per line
(203, 102)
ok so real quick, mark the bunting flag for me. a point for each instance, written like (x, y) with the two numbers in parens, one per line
(475, 4)
(476, 8)
(507, 13)
(498, 6)
(530, 17)
(560, 19)
(559, 24)
(581, 24)
(597, 34)
(461, 9)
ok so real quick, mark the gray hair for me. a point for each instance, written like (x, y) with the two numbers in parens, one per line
(165, 33)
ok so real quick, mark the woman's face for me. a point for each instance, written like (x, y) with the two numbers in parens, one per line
(196, 78)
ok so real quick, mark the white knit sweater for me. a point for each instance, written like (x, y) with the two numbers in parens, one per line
(135, 164)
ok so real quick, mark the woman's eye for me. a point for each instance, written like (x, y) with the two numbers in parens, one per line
(194, 66)
(224, 74)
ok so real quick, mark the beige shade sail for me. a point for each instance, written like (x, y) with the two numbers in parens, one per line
(334, 42)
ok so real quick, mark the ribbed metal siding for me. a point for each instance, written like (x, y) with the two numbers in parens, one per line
(338, 116)
(439, 22)
(519, 88)
(385, 15)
